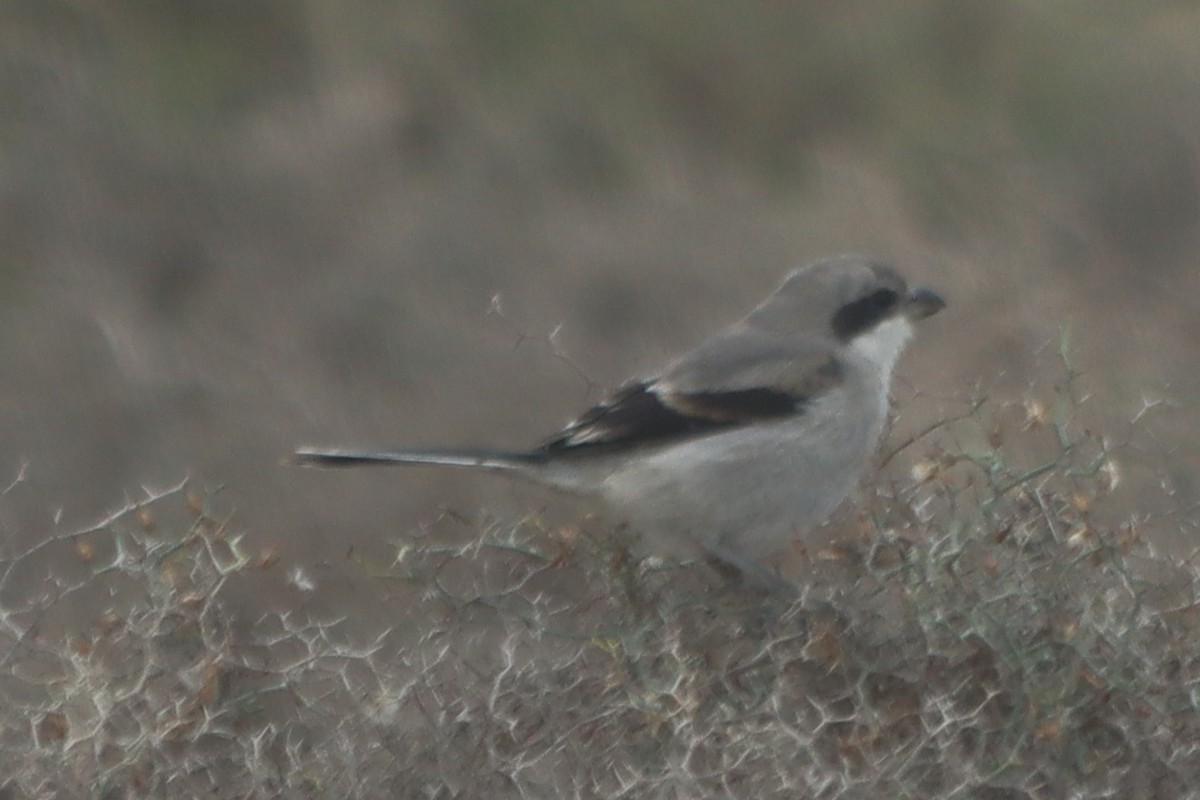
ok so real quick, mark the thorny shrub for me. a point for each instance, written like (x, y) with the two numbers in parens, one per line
(991, 631)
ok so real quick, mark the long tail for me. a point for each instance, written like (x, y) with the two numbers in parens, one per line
(499, 460)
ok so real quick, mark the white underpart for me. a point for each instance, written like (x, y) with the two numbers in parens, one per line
(883, 345)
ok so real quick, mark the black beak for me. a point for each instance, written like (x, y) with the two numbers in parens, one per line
(924, 303)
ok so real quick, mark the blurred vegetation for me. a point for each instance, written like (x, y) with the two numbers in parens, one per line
(935, 89)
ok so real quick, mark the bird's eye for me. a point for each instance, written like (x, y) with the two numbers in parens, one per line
(864, 313)
(883, 299)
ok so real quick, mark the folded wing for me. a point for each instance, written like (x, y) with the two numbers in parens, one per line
(742, 378)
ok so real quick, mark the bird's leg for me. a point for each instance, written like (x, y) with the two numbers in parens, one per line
(734, 567)
(778, 613)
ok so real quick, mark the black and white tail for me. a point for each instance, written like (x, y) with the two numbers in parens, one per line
(498, 460)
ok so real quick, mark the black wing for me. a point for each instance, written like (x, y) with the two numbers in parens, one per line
(741, 377)
(639, 414)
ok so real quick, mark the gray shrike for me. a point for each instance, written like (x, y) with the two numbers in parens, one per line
(741, 444)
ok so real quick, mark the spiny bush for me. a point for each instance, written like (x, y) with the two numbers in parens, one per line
(996, 628)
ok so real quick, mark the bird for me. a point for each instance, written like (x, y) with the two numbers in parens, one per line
(740, 445)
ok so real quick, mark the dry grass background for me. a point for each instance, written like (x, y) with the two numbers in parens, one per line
(233, 228)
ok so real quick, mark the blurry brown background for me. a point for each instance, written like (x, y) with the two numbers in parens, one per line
(231, 228)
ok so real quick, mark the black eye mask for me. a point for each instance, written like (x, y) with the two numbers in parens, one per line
(863, 314)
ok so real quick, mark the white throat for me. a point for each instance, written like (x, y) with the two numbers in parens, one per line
(883, 345)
